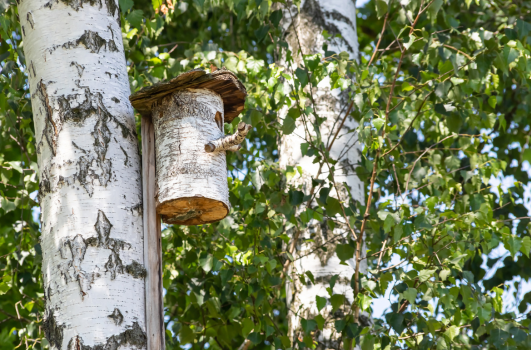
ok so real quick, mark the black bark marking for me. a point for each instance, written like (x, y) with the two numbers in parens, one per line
(126, 156)
(133, 336)
(29, 17)
(136, 270)
(32, 69)
(102, 137)
(79, 68)
(74, 249)
(114, 99)
(137, 209)
(23, 31)
(79, 148)
(44, 185)
(52, 127)
(90, 168)
(103, 227)
(77, 4)
(84, 174)
(52, 330)
(114, 265)
(92, 41)
(117, 317)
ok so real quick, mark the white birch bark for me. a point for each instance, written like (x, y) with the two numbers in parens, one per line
(304, 30)
(192, 183)
(89, 168)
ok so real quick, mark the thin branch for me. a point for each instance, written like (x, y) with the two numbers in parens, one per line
(379, 40)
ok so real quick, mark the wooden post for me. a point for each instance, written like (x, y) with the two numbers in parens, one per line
(152, 241)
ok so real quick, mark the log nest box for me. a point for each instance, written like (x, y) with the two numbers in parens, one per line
(188, 114)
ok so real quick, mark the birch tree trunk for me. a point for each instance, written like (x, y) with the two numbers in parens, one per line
(304, 30)
(90, 181)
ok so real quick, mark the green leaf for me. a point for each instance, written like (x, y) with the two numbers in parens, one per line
(526, 246)
(358, 100)
(136, 18)
(320, 320)
(6, 205)
(407, 86)
(366, 302)
(434, 8)
(255, 337)
(337, 300)
(395, 320)
(397, 233)
(310, 276)
(513, 244)
(381, 7)
(275, 17)
(367, 342)
(247, 326)
(410, 295)
(452, 332)
(296, 197)
(498, 338)
(288, 125)
(425, 275)
(384, 281)
(125, 5)
(16, 166)
(333, 207)
(205, 261)
(321, 302)
(492, 101)
(256, 117)
(340, 325)
(302, 76)
(353, 330)
(444, 274)
(4, 287)
(308, 325)
(261, 32)
(186, 335)
(389, 222)
(226, 275)
(432, 202)
(156, 4)
(378, 122)
(345, 252)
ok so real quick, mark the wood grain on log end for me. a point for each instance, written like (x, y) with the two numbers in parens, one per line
(192, 211)
(222, 81)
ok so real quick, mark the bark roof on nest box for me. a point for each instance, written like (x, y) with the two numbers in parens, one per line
(222, 81)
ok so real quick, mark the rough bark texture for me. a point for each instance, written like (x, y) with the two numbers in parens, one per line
(89, 168)
(303, 30)
(192, 183)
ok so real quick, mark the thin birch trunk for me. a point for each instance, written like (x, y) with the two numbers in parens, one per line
(90, 181)
(304, 31)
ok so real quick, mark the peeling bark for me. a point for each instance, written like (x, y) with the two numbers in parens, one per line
(89, 172)
(303, 34)
(134, 336)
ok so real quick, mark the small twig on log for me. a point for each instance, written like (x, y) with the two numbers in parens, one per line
(229, 142)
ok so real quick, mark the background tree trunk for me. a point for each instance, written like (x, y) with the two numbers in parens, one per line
(304, 31)
(90, 181)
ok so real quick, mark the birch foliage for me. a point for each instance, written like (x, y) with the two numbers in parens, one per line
(441, 94)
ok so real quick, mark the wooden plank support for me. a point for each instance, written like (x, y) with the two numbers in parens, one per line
(152, 241)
